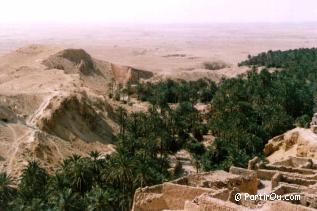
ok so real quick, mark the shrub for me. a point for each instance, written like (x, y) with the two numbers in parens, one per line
(214, 65)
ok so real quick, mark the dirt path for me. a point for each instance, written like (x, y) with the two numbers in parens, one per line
(15, 145)
(32, 120)
(6, 133)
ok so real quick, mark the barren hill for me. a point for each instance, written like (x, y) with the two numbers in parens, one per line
(53, 104)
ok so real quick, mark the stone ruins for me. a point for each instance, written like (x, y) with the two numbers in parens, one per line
(216, 190)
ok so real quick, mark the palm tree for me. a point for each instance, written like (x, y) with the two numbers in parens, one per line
(36, 204)
(112, 85)
(66, 200)
(74, 158)
(7, 192)
(144, 170)
(97, 166)
(80, 174)
(119, 173)
(33, 181)
(122, 119)
(95, 155)
(98, 200)
(58, 182)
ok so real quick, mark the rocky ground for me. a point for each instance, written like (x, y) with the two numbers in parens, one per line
(53, 104)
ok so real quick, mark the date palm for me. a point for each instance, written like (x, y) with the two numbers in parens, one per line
(33, 181)
(120, 174)
(99, 200)
(66, 200)
(7, 192)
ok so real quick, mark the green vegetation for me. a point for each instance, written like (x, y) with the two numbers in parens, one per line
(214, 65)
(245, 112)
(109, 182)
(84, 183)
(250, 109)
(170, 91)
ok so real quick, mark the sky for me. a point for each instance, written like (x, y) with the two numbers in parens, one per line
(158, 11)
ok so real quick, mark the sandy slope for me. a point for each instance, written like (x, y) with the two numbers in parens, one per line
(52, 105)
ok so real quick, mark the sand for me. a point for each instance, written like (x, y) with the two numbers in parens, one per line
(48, 114)
(164, 48)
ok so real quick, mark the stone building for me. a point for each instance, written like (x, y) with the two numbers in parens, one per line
(215, 191)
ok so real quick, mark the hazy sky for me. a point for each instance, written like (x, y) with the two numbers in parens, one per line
(158, 11)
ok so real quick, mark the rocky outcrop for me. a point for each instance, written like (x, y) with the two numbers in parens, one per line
(6, 115)
(63, 125)
(53, 105)
(125, 74)
(71, 61)
(298, 142)
(78, 117)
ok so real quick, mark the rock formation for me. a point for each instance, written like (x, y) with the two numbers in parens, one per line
(299, 142)
(53, 103)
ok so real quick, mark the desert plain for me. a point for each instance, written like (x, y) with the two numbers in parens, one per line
(169, 48)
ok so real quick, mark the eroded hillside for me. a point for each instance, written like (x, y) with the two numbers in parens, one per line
(53, 104)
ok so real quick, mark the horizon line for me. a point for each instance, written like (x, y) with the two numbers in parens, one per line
(157, 23)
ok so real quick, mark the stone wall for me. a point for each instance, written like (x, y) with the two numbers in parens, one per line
(210, 204)
(215, 190)
(282, 205)
(249, 180)
(292, 162)
(165, 196)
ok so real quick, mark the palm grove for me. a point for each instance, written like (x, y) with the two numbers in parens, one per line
(246, 111)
